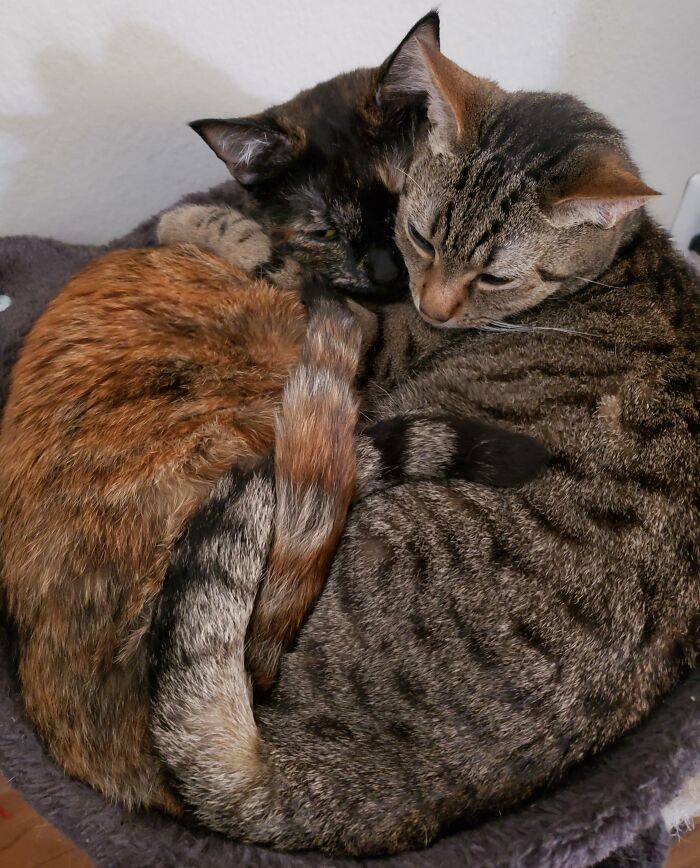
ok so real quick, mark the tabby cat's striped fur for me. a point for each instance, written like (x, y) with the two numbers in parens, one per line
(471, 644)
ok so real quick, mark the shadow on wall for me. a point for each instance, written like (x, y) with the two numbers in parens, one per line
(113, 145)
(636, 61)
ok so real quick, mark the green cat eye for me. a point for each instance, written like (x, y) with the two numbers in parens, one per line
(326, 234)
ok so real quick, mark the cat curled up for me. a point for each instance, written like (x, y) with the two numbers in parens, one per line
(471, 644)
(154, 371)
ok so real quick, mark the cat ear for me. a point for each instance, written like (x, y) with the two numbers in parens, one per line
(605, 193)
(418, 68)
(252, 149)
(401, 78)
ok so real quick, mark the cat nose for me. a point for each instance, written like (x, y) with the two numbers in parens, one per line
(440, 300)
(428, 317)
(381, 266)
(438, 309)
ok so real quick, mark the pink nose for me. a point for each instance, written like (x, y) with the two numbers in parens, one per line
(428, 318)
(438, 309)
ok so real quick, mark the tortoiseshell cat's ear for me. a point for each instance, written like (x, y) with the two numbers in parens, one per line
(417, 69)
(253, 148)
(398, 77)
(604, 192)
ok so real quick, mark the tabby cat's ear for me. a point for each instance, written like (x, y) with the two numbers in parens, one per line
(603, 194)
(251, 148)
(454, 98)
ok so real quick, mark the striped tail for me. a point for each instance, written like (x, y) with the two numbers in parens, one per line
(315, 472)
(202, 721)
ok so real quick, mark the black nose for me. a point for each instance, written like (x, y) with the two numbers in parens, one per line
(381, 265)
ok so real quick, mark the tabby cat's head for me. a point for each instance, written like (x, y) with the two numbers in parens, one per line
(511, 198)
(324, 169)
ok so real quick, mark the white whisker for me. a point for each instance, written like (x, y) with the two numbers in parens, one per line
(399, 169)
(599, 283)
(499, 325)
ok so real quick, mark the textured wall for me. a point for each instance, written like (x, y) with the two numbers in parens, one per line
(95, 94)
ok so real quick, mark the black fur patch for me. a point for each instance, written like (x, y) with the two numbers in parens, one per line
(495, 456)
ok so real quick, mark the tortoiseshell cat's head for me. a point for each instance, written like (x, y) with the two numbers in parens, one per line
(512, 196)
(324, 168)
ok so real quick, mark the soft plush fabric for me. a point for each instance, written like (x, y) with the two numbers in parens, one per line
(679, 814)
(607, 812)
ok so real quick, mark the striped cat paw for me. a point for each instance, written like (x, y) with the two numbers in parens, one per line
(185, 224)
(218, 228)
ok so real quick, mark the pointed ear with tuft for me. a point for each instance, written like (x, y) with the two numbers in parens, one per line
(401, 79)
(603, 194)
(417, 71)
(253, 149)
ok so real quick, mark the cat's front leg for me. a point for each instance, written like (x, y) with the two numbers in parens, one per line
(436, 446)
(223, 230)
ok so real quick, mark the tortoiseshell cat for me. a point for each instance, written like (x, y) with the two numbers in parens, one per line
(470, 644)
(150, 374)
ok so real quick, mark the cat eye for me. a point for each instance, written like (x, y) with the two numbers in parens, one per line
(424, 247)
(326, 234)
(492, 280)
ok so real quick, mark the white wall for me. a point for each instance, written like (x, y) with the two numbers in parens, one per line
(95, 94)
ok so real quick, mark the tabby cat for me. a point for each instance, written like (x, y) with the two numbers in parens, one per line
(150, 374)
(471, 644)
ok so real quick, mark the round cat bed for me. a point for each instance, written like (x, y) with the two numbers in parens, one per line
(607, 812)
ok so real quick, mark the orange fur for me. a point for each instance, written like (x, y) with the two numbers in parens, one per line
(149, 375)
(315, 472)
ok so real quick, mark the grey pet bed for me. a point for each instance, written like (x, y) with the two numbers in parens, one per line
(607, 812)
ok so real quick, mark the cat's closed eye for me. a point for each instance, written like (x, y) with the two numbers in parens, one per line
(493, 280)
(422, 245)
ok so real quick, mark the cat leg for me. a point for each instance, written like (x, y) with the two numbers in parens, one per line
(433, 446)
(223, 230)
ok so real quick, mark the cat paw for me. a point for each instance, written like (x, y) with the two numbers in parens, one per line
(184, 224)
(218, 228)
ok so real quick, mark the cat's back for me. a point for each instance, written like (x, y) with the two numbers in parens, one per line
(149, 340)
(142, 325)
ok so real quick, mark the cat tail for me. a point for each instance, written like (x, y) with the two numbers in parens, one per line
(314, 473)
(202, 721)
